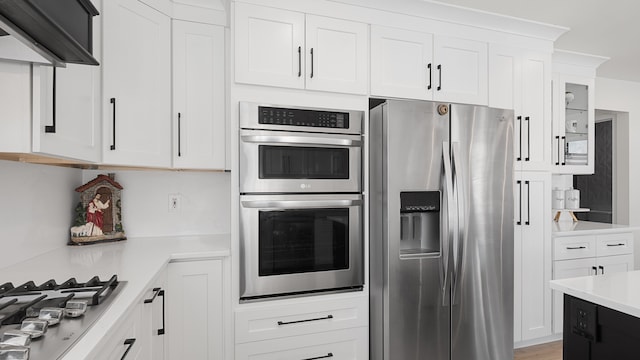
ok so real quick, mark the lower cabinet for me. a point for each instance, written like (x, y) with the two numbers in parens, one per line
(587, 255)
(317, 327)
(123, 343)
(196, 310)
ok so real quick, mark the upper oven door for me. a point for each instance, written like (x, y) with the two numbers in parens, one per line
(292, 162)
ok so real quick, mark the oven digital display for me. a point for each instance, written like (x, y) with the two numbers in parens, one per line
(300, 117)
(303, 240)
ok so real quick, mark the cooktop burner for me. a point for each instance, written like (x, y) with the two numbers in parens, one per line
(69, 309)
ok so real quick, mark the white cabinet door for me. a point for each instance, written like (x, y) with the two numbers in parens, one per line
(532, 258)
(337, 55)
(195, 311)
(66, 115)
(401, 63)
(461, 70)
(536, 111)
(123, 342)
(153, 318)
(567, 269)
(136, 85)
(614, 264)
(198, 96)
(521, 80)
(269, 46)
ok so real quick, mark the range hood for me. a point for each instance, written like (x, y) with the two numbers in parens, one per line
(55, 32)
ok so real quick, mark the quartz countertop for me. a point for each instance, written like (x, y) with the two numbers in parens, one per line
(136, 261)
(617, 291)
(571, 228)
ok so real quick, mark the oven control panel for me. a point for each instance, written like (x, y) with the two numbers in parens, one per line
(303, 117)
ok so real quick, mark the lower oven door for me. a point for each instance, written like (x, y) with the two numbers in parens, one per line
(293, 244)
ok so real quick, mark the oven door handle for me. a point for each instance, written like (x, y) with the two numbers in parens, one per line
(300, 140)
(295, 204)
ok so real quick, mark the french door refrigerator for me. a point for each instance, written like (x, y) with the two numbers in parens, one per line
(441, 231)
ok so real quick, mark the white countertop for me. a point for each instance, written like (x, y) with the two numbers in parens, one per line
(571, 228)
(617, 291)
(136, 261)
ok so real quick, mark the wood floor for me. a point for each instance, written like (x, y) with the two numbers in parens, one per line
(550, 351)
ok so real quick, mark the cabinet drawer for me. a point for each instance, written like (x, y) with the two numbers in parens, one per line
(349, 344)
(299, 318)
(114, 346)
(574, 247)
(614, 244)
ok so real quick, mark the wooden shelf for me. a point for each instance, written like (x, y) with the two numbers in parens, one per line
(570, 211)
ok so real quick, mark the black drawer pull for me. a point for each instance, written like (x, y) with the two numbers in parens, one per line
(619, 244)
(595, 270)
(113, 140)
(129, 343)
(51, 129)
(306, 320)
(320, 357)
(156, 292)
(576, 247)
(601, 269)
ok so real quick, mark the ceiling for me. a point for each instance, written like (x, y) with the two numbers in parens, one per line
(606, 28)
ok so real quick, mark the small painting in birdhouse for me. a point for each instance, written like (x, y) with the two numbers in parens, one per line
(98, 214)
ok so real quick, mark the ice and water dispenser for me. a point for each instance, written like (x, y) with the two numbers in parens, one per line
(419, 223)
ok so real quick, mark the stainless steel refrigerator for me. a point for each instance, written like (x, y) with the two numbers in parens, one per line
(441, 247)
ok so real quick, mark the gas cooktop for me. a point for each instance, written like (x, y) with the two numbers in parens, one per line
(49, 318)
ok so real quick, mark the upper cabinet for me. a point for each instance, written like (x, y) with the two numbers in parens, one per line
(521, 80)
(573, 144)
(136, 77)
(198, 96)
(202, 11)
(416, 65)
(290, 49)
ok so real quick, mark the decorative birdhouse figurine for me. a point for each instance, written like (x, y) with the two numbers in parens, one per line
(99, 212)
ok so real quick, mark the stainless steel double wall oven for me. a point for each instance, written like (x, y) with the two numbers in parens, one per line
(301, 206)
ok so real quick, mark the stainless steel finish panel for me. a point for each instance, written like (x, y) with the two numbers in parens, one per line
(249, 119)
(409, 310)
(250, 182)
(482, 287)
(251, 284)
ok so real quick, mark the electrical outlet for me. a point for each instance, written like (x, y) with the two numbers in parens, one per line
(174, 203)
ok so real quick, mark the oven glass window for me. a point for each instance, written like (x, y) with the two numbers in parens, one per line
(291, 162)
(306, 240)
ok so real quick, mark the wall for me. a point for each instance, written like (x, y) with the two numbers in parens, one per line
(37, 209)
(618, 95)
(205, 202)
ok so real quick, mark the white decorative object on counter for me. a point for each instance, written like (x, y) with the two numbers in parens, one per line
(558, 198)
(572, 199)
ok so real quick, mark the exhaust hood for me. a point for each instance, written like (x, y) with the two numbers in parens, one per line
(52, 32)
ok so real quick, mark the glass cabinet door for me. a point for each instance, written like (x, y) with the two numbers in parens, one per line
(576, 124)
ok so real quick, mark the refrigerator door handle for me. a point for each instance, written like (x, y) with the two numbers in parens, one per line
(449, 232)
(459, 231)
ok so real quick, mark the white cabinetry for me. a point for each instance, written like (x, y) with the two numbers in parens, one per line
(586, 255)
(521, 80)
(532, 256)
(415, 65)
(307, 328)
(289, 49)
(153, 318)
(198, 96)
(202, 11)
(196, 309)
(136, 85)
(66, 118)
(573, 140)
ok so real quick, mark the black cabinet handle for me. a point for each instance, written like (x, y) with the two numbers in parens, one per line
(129, 343)
(520, 202)
(179, 134)
(113, 142)
(528, 202)
(576, 247)
(595, 270)
(601, 269)
(299, 61)
(439, 77)
(312, 63)
(329, 355)
(429, 68)
(564, 146)
(526, 118)
(519, 158)
(305, 320)
(156, 292)
(558, 139)
(619, 244)
(51, 129)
